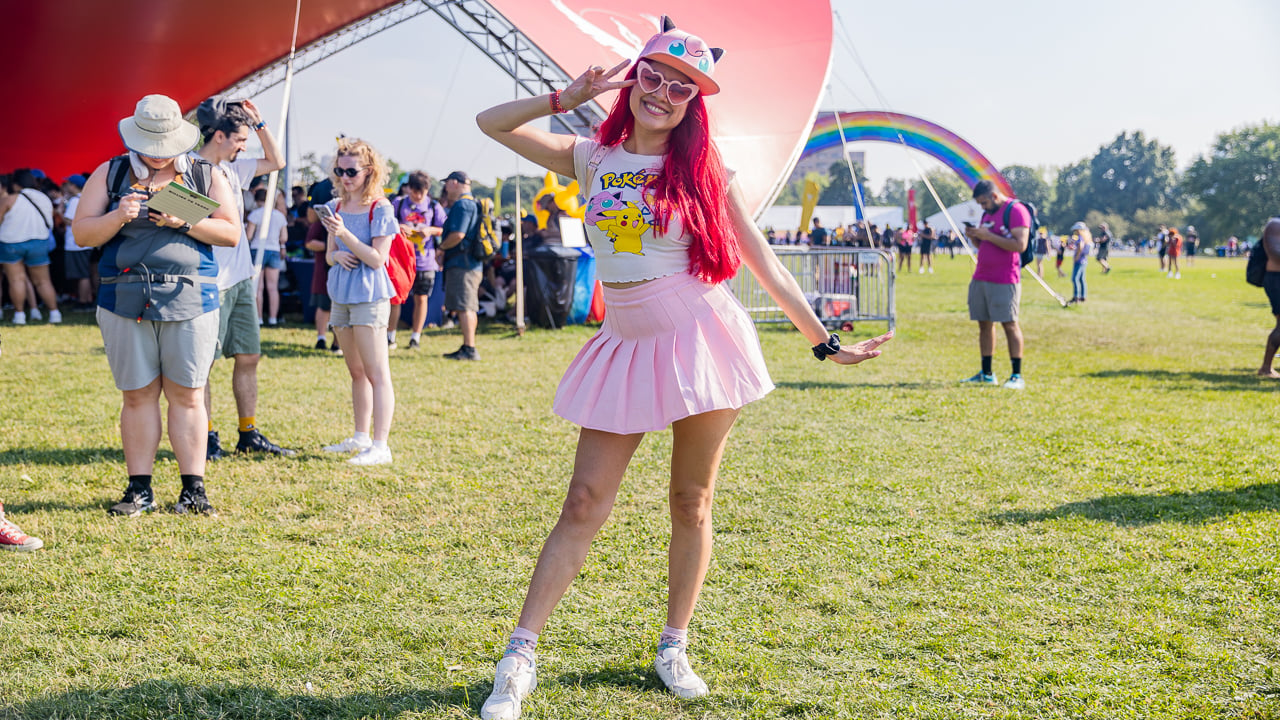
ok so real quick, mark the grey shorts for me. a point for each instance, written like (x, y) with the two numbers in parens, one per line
(141, 351)
(374, 314)
(76, 264)
(994, 302)
(238, 332)
(462, 289)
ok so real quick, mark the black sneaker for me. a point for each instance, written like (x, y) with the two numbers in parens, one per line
(413, 344)
(254, 441)
(320, 344)
(335, 349)
(137, 499)
(213, 451)
(193, 500)
(463, 353)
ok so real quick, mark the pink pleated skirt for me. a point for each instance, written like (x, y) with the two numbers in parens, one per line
(670, 348)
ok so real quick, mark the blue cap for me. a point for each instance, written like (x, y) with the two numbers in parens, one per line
(77, 180)
(38, 173)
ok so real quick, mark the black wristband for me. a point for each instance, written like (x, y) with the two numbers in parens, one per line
(184, 228)
(830, 347)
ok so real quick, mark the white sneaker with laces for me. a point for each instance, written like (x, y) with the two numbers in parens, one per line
(55, 316)
(349, 445)
(514, 680)
(372, 456)
(673, 669)
(19, 318)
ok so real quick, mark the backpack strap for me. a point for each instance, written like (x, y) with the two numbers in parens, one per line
(593, 164)
(47, 225)
(117, 178)
(200, 175)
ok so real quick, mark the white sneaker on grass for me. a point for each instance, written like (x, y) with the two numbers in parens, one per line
(36, 314)
(350, 445)
(372, 455)
(55, 316)
(19, 318)
(514, 679)
(673, 669)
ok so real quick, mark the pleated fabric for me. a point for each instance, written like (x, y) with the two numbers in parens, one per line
(668, 349)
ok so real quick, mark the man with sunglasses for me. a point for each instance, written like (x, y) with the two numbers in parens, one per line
(225, 128)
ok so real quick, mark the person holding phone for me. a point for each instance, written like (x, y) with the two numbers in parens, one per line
(361, 224)
(995, 291)
(158, 299)
(676, 348)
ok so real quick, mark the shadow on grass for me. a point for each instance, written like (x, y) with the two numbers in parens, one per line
(61, 456)
(164, 699)
(278, 349)
(1243, 379)
(637, 677)
(1136, 510)
(831, 385)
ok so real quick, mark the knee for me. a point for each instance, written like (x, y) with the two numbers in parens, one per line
(584, 507)
(691, 508)
(247, 362)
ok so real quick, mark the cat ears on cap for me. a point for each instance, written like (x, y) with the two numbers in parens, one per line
(668, 25)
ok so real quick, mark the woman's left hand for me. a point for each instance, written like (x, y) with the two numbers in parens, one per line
(345, 259)
(165, 219)
(865, 350)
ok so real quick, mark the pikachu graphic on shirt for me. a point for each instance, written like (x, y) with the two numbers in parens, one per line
(624, 227)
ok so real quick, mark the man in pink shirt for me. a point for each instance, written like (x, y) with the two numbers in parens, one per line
(995, 291)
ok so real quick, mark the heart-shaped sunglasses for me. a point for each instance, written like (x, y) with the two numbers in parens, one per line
(651, 81)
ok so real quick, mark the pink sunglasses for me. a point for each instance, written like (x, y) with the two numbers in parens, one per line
(651, 81)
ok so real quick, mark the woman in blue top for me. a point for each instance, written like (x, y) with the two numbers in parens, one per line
(1084, 247)
(361, 225)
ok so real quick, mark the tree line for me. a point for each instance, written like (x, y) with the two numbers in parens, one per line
(1132, 184)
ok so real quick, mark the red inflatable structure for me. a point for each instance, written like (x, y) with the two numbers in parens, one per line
(78, 66)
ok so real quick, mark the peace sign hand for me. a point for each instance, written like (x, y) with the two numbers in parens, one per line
(591, 83)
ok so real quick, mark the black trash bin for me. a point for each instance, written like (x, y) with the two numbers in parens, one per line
(549, 274)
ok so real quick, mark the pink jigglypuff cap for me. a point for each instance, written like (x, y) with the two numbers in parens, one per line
(685, 52)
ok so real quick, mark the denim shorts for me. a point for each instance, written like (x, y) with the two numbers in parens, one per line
(272, 259)
(32, 253)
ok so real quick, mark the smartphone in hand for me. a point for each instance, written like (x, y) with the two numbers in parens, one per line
(324, 212)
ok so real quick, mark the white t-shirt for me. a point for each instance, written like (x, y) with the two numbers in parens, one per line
(235, 264)
(24, 222)
(69, 212)
(278, 222)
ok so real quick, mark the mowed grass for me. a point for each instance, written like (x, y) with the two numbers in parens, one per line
(890, 544)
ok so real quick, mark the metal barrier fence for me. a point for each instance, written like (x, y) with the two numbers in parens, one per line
(843, 285)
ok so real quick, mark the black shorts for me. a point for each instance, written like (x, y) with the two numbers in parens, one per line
(424, 282)
(1104, 251)
(1271, 283)
(926, 247)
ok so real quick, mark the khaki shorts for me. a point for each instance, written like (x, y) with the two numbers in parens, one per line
(462, 289)
(141, 351)
(238, 332)
(374, 314)
(994, 302)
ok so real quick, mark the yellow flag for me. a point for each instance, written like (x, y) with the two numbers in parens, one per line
(808, 201)
(497, 196)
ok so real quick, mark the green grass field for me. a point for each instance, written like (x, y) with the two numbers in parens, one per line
(890, 544)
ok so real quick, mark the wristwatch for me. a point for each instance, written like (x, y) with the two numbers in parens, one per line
(184, 228)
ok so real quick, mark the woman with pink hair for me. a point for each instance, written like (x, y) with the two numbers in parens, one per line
(668, 226)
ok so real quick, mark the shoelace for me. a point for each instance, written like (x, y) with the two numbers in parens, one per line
(679, 670)
(11, 532)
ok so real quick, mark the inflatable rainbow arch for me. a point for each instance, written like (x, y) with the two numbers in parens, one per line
(934, 140)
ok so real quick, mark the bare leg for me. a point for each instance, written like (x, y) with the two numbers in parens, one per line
(244, 384)
(16, 274)
(698, 445)
(467, 322)
(370, 345)
(271, 277)
(1269, 356)
(140, 427)
(1013, 335)
(986, 338)
(322, 323)
(187, 423)
(361, 390)
(601, 460)
(44, 286)
(420, 312)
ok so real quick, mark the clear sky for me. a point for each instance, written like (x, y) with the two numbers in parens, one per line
(1031, 82)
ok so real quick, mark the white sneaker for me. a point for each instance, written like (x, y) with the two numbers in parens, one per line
(673, 668)
(36, 314)
(55, 316)
(930, 269)
(921, 271)
(512, 683)
(349, 445)
(372, 456)
(1177, 276)
(19, 318)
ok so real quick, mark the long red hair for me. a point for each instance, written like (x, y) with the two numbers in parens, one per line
(692, 185)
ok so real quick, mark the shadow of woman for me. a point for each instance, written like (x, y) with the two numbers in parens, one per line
(1136, 510)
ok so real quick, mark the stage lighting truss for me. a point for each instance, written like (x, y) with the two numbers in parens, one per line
(484, 27)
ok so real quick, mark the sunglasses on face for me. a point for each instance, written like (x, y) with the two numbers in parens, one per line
(349, 172)
(651, 81)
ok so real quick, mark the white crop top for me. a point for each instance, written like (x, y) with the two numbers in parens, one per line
(619, 220)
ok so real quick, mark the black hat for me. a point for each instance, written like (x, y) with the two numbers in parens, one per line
(458, 176)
